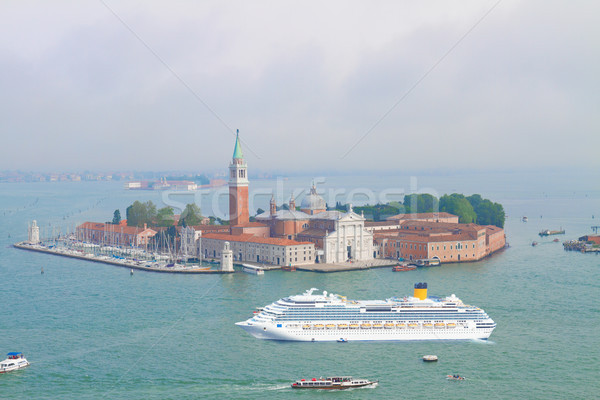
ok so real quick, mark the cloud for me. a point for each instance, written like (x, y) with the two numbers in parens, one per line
(303, 81)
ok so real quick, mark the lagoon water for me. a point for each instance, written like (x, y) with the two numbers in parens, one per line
(93, 331)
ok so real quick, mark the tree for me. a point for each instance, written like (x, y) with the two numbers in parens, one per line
(259, 211)
(458, 204)
(140, 213)
(488, 213)
(165, 217)
(191, 215)
(116, 217)
(420, 203)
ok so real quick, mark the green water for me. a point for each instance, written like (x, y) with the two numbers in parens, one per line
(93, 331)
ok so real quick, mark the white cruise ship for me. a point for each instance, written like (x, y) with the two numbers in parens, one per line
(330, 317)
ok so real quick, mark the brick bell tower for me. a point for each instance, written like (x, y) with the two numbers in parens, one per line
(238, 186)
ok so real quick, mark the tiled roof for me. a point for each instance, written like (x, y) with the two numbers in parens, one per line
(313, 232)
(207, 228)
(110, 228)
(380, 223)
(249, 238)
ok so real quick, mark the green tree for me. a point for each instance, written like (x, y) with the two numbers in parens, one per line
(488, 213)
(165, 217)
(420, 203)
(458, 204)
(116, 217)
(191, 215)
(140, 213)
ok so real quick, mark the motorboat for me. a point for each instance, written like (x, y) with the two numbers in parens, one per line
(430, 358)
(403, 267)
(14, 360)
(337, 382)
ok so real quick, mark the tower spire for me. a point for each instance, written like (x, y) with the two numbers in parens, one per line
(237, 151)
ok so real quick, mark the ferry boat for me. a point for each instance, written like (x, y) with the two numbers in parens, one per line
(548, 232)
(251, 269)
(336, 382)
(14, 361)
(303, 318)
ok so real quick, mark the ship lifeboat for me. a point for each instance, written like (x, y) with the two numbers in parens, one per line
(451, 325)
(413, 325)
(330, 326)
(388, 326)
(353, 326)
(318, 326)
(377, 326)
(365, 326)
(427, 325)
(401, 326)
(306, 326)
(343, 326)
(439, 325)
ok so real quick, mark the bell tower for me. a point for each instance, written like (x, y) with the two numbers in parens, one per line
(238, 186)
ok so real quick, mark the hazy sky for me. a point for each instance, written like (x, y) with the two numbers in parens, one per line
(155, 85)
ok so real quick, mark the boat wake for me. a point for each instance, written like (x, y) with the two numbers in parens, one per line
(483, 341)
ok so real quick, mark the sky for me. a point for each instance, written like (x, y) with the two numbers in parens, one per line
(312, 86)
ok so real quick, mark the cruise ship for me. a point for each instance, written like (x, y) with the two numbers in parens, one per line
(330, 317)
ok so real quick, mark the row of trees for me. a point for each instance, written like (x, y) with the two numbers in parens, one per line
(469, 209)
(140, 213)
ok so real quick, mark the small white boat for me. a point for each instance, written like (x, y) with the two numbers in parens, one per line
(430, 358)
(14, 360)
(251, 269)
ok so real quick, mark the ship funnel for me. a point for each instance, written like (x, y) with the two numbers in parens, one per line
(421, 290)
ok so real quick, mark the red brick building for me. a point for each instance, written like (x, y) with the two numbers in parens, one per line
(113, 235)
(450, 242)
(238, 187)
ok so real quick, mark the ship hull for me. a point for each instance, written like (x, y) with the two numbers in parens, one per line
(272, 332)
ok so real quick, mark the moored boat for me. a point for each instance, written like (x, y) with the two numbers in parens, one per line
(336, 382)
(548, 232)
(14, 360)
(403, 268)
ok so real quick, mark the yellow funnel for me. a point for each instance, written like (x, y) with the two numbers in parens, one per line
(421, 290)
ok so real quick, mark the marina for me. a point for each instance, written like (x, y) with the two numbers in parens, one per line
(119, 261)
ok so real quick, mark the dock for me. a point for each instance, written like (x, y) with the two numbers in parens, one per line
(347, 266)
(131, 264)
(148, 265)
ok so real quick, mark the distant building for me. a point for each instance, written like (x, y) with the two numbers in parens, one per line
(450, 242)
(114, 235)
(247, 247)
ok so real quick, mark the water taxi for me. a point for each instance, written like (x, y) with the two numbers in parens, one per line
(251, 269)
(337, 382)
(403, 268)
(14, 360)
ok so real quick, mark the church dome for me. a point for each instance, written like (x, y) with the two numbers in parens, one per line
(313, 201)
